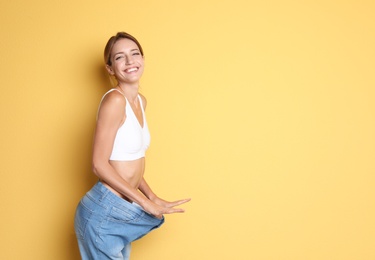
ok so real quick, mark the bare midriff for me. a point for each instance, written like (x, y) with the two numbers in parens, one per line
(130, 171)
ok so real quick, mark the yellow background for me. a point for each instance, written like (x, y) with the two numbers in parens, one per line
(261, 111)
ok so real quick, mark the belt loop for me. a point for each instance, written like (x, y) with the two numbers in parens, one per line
(104, 194)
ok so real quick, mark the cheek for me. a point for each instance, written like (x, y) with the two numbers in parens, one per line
(119, 66)
(140, 59)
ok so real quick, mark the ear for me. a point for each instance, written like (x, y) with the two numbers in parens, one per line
(109, 69)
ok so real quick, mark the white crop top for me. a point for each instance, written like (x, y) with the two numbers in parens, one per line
(132, 140)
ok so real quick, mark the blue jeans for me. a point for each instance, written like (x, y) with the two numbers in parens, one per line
(106, 224)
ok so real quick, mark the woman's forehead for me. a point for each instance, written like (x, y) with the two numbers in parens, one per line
(124, 44)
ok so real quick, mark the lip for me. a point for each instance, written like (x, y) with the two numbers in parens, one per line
(131, 70)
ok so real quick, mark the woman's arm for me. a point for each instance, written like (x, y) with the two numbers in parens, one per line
(110, 117)
(146, 190)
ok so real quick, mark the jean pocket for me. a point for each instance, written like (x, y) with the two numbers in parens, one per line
(123, 215)
(83, 214)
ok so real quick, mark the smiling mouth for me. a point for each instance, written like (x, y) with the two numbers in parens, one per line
(131, 70)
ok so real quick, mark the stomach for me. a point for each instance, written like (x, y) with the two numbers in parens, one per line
(131, 171)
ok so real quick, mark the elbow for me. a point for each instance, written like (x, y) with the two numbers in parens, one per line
(96, 167)
(99, 164)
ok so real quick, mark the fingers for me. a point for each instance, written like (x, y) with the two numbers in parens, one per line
(168, 208)
(178, 202)
(159, 214)
(173, 210)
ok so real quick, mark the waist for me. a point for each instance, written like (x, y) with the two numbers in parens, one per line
(113, 191)
(130, 171)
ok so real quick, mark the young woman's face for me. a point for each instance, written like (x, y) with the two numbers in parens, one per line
(127, 61)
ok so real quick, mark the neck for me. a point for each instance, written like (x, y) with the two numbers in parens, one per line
(130, 91)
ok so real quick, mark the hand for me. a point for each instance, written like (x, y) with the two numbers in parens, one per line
(168, 204)
(158, 207)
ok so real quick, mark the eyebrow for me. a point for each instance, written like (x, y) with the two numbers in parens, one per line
(121, 52)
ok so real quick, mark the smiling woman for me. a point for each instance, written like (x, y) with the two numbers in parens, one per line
(121, 207)
(120, 54)
(127, 65)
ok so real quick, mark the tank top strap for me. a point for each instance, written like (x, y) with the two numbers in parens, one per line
(140, 101)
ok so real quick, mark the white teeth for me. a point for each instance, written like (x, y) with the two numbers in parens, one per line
(131, 69)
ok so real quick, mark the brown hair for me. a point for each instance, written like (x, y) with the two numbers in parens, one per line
(113, 40)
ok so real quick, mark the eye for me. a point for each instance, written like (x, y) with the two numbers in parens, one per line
(136, 53)
(118, 57)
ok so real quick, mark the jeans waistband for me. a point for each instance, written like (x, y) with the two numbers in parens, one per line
(102, 194)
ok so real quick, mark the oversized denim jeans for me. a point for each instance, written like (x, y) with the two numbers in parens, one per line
(106, 224)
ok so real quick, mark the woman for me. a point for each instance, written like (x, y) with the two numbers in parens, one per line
(121, 207)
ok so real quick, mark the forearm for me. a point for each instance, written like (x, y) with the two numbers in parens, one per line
(146, 190)
(109, 175)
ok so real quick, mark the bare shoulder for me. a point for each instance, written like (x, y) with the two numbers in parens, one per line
(112, 103)
(144, 100)
(113, 99)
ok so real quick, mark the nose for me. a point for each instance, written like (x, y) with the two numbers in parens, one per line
(129, 59)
